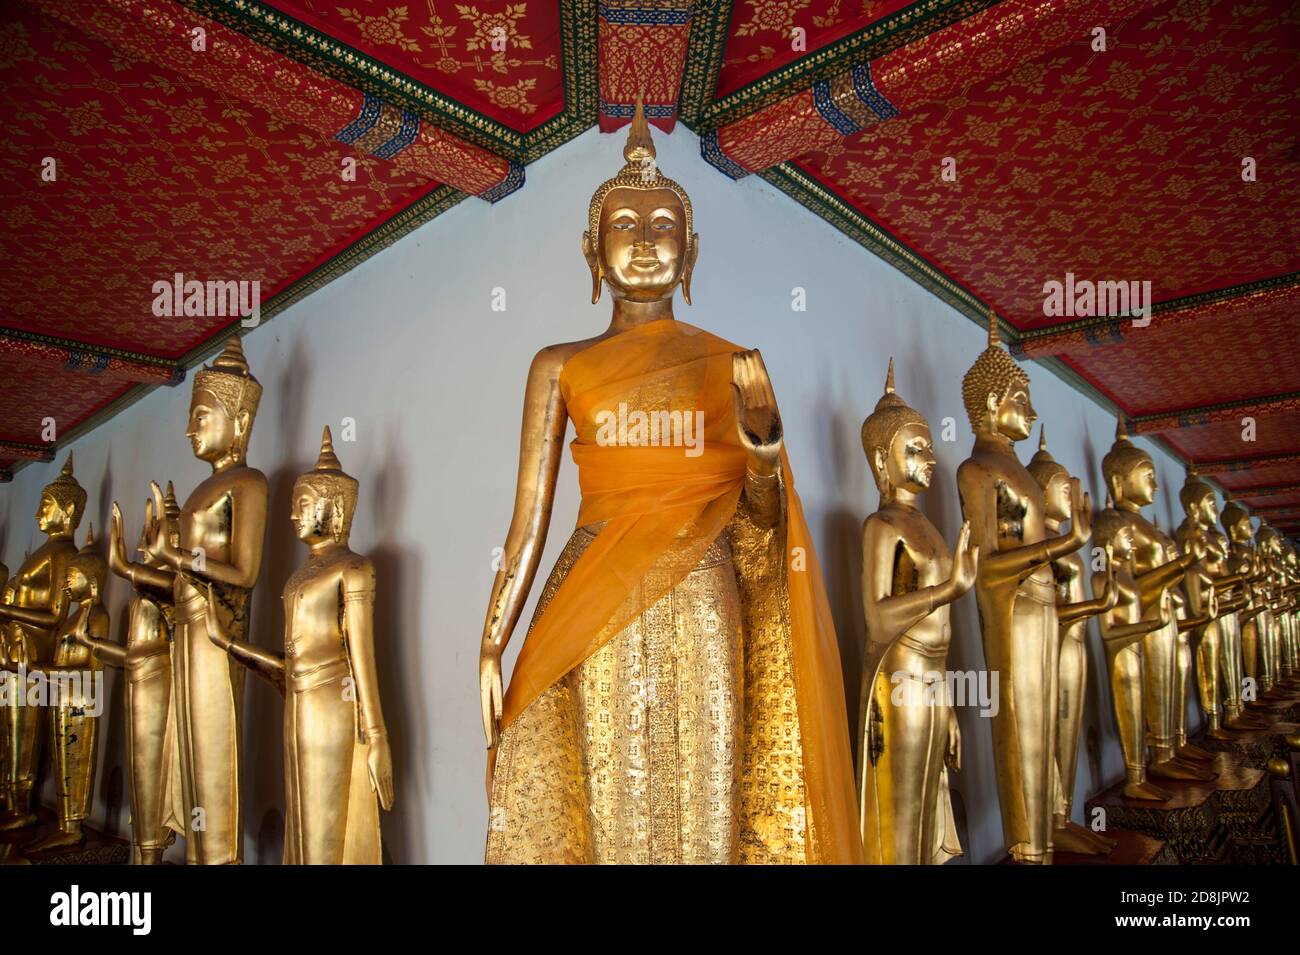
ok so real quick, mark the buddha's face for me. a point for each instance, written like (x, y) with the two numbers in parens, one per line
(1014, 415)
(1206, 510)
(211, 429)
(312, 513)
(1057, 494)
(1121, 544)
(642, 242)
(909, 463)
(76, 583)
(1138, 484)
(51, 518)
(1240, 529)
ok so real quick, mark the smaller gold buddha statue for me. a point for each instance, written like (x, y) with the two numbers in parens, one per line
(909, 579)
(1268, 545)
(74, 706)
(338, 768)
(1123, 629)
(1073, 610)
(153, 760)
(35, 607)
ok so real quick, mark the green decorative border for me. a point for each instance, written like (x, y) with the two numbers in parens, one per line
(70, 344)
(326, 55)
(710, 31)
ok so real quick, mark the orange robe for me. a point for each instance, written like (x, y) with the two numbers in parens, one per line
(779, 765)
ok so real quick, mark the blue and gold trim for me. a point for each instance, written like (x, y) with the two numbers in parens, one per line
(514, 180)
(715, 157)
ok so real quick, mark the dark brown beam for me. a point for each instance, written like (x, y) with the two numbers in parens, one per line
(1247, 464)
(1248, 492)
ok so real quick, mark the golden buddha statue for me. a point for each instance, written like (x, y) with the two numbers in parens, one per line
(222, 527)
(1243, 560)
(1130, 476)
(1290, 646)
(678, 697)
(1016, 594)
(35, 609)
(152, 757)
(1123, 629)
(1073, 610)
(1204, 582)
(74, 715)
(909, 579)
(1268, 545)
(338, 768)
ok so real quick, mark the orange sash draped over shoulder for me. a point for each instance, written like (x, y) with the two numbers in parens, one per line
(665, 494)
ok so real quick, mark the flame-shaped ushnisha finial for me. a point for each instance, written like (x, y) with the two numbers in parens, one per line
(889, 377)
(1042, 436)
(90, 535)
(327, 461)
(1121, 428)
(995, 339)
(170, 505)
(639, 146)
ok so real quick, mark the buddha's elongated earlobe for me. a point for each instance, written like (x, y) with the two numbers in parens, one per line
(688, 268)
(593, 263)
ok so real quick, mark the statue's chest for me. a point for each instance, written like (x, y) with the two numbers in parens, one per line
(1019, 510)
(207, 523)
(313, 610)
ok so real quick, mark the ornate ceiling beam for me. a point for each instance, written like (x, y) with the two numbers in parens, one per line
(1177, 418)
(1247, 464)
(233, 64)
(934, 68)
(1249, 492)
(48, 354)
(1085, 334)
(27, 452)
(642, 52)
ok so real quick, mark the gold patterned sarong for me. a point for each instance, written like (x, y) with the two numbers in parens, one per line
(678, 697)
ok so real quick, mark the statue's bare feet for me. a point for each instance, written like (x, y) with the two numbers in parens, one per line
(1145, 790)
(1218, 732)
(1245, 722)
(1193, 752)
(13, 820)
(59, 839)
(1078, 839)
(1176, 769)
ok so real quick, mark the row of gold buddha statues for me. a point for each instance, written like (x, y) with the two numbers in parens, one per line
(186, 648)
(679, 695)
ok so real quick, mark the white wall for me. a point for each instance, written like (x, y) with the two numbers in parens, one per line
(408, 345)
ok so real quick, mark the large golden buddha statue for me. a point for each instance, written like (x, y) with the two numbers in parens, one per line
(338, 768)
(222, 527)
(74, 713)
(1130, 476)
(1016, 594)
(1073, 610)
(1244, 559)
(1268, 545)
(678, 697)
(909, 579)
(35, 607)
(145, 658)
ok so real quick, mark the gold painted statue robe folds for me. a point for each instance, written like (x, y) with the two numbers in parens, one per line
(678, 698)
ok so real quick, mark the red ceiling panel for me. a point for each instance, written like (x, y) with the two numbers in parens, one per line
(26, 400)
(1274, 434)
(156, 175)
(448, 46)
(1124, 165)
(762, 33)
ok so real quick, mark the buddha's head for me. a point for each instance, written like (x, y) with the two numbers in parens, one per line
(639, 239)
(1290, 559)
(898, 444)
(996, 392)
(1052, 478)
(1236, 521)
(1129, 471)
(1268, 540)
(86, 572)
(62, 503)
(1199, 501)
(223, 406)
(1111, 528)
(324, 498)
